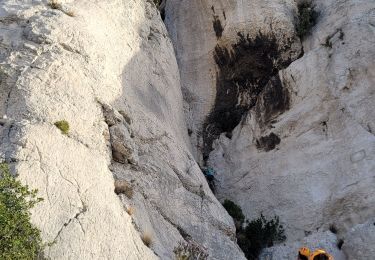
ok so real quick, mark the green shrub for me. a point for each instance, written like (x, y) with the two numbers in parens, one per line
(307, 17)
(253, 236)
(54, 4)
(260, 233)
(19, 239)
(234, 211)
(63, 126)
(190, 250)
(157, 3)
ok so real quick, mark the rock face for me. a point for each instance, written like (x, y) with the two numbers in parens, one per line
(288, 126)
(359, 242)
(109, 70)
(227, 54)
(299, 141)
(326, 240)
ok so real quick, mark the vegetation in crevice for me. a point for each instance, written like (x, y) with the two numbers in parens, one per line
(63, 125)
(19, 238)
(146, 239)
(268, 142)
(307, 18)
(255, 235)
(190, 250)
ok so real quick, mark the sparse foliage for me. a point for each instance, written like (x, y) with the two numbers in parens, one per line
(19, 239)
(130, 210)
(63, 125)
(307, 17)
(235, 212)
(157, 3)
(124, 187)
(190, 250)
(54, 4)
(147, 239)
(260, 233)
(257, 234)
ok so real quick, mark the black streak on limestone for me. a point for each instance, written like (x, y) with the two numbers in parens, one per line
(218, 28)
(273, 101)
(245, 70)
(268, 143)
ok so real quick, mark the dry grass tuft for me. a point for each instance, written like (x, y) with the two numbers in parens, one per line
(70, 13)
(147, 239)
(130, 210)
(54, 4)
(124, 187)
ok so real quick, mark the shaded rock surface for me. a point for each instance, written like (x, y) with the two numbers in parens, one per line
(360, 240)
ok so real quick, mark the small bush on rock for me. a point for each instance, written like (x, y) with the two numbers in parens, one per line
(157, 3)
(307, 17)
(190, 250)
(19, 239)
(257, 234)
(260, 233)
(235, 212)
(63, 126)
(147, 239)
(124, 187)
(54, 4)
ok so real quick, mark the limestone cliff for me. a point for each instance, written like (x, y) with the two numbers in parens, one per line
(109, 70)
(287, 124)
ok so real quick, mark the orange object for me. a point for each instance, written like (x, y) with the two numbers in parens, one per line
(318, 254)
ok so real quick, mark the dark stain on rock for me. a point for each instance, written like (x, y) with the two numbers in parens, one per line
(218, 28)
(268, 143)
(273, 101)
(247, 70)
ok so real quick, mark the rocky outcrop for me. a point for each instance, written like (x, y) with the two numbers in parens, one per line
(109, 70)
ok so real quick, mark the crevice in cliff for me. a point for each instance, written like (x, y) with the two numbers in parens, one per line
(76, 217)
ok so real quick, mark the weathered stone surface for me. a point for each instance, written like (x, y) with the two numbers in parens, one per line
(295, 134)
(360, 240)
(321, 240)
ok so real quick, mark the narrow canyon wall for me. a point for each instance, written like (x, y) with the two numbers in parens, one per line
(109, 69)
(288, 128)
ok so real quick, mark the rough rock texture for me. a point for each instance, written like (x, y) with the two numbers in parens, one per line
(305, 149)
(360, 240)
(321, 240)
(108, 68)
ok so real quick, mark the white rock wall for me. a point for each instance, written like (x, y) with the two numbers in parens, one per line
(63, 64)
